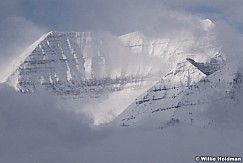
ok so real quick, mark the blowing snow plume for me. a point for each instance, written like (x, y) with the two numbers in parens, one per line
(17, 33)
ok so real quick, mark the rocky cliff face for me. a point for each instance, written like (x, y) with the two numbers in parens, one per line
(207, 68)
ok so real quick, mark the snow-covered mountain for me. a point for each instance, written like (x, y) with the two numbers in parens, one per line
(108, 72)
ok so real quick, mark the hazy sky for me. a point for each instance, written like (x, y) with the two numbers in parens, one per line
(114, 15)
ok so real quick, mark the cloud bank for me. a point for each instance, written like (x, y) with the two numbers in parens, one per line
(34, 129)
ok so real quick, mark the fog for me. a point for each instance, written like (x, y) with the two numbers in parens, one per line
(34, 129)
